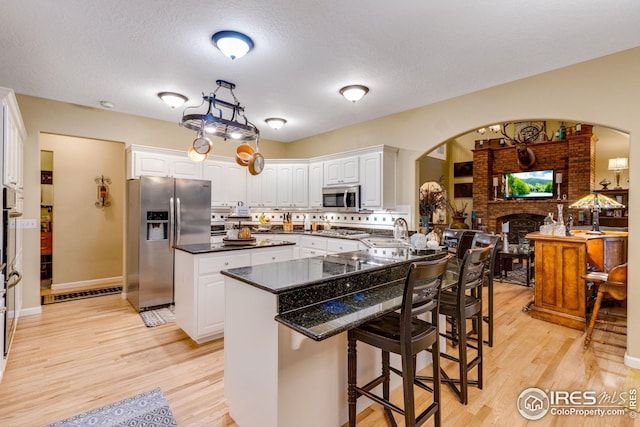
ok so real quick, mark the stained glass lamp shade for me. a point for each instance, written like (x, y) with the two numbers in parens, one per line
(595, 202)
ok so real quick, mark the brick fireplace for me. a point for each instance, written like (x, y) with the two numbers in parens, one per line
(573, 157)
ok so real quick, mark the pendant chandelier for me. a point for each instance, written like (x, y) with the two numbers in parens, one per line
(233, 125)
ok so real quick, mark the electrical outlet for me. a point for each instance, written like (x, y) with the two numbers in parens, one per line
(29, 223)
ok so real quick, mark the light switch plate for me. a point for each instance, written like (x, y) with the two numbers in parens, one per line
(29, 223)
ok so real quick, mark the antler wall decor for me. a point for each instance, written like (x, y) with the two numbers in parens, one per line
(526, 156)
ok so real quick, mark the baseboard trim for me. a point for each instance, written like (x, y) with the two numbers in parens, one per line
(82, 283)
(31, 311)
(630, 361)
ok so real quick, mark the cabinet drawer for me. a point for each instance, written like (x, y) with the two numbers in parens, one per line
(269, 256)
(314, 242)
(214, 264)
(341, 245)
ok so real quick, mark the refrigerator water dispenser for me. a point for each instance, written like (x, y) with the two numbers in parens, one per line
(157, 225)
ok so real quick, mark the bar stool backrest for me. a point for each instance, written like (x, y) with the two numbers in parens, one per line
(421, 292)
(472, 272)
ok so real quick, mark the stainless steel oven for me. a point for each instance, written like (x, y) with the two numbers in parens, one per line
(341, 199)
(12, 276)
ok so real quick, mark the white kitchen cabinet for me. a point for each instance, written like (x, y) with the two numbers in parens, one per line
(267, 256)
(316, 174)
(262, 188)
(152, 161)
(311, 246)
(292, 185)
(199, 291)
(228, 181)
(378, 179)
(13, 134)
(342, 170)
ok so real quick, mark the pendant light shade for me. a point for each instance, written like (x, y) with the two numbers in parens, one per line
(354, 92)
(232, 43)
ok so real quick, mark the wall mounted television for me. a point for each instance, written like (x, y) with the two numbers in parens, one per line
(528, 185)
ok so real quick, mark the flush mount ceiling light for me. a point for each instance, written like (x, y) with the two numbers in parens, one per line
(107, 104)
(173, 99)
(213, 122)
(354, 92)
(232, 43)
(275, 123)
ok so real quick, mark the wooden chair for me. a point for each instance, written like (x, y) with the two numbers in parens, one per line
(404, 334)
(612, 285)
(450, 238)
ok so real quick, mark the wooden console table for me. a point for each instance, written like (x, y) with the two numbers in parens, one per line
(560, 294)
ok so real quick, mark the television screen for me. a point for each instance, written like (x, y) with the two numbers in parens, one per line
(528, 185)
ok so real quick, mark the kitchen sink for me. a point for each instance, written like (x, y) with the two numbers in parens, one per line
(385, 242)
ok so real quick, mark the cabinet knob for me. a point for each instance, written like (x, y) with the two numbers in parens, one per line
(226, 263)
(273, 258)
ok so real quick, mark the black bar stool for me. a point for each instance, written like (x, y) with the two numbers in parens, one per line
(482, 240)
(461, 302)
(404, 334)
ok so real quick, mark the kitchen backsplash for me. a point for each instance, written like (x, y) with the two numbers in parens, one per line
(375, 219)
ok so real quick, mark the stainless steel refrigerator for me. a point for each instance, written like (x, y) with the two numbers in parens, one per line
(162, 213)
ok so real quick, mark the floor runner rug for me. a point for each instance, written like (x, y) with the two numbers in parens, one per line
(50, 299)
(158, 317)
(148, 409)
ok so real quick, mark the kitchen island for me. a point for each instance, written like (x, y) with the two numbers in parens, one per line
(199, 286)
(285, 346)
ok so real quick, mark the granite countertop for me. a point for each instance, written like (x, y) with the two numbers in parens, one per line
(325, 295)
(204, 248)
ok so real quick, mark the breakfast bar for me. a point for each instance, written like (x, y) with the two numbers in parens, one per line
(285, 346)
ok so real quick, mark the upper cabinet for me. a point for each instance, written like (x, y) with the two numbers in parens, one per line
(342, 170)
(228, 181)
(316, 181)
(261, 189)
(13, 135)
(292, 185)
(151, 161)
(378, 178)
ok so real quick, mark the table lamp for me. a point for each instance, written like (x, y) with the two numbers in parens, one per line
(595, 202)
(617, 165)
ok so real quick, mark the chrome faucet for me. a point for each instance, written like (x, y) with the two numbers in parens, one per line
(404, 232)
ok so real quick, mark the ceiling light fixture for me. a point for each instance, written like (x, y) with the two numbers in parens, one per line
(173, 99)
(354, 92)
(275, 122)
(212, 122)
(232, 43)
(107, 104)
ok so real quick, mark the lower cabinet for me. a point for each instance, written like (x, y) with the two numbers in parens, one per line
(199, 287)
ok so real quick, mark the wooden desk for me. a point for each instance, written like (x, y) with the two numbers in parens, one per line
(560, 290)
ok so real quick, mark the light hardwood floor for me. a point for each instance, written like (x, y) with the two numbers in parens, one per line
(80, 355)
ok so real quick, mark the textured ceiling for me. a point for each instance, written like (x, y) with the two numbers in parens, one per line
(410, 53)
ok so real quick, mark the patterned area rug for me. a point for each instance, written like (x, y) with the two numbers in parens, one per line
(50, 299)
(158, 317)
(148, 409)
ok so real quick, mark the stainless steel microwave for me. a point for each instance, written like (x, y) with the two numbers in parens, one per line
(341, 198)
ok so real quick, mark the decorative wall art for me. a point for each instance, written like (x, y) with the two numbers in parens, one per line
(530, 131)
(463, 169)
(463, 190)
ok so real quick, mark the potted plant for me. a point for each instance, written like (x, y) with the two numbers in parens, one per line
(432, 198)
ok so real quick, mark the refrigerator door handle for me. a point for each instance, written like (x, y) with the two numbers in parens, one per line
(171, 223)
(178, 220)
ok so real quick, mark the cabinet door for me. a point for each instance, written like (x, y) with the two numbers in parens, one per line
(228, 182)
(300, 186)
(150, 164)
(180, 167)
(371, 188)
(210, 305)
(269, 187)
(332, 173)
(284, 176)
(316, 174)
(350, 170)
(214, 172)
